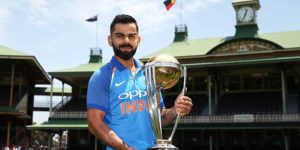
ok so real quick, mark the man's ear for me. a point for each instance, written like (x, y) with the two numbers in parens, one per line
(109, 40)
(139, 40)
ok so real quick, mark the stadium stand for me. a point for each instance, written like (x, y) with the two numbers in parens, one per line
(250, 103)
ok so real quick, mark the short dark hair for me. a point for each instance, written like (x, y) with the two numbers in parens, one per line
(123, 18)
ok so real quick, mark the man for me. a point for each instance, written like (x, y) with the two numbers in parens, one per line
(116, 100)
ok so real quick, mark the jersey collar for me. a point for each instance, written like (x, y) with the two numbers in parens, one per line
(121, 67)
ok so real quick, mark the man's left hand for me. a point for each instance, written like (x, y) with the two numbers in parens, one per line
(183, 105)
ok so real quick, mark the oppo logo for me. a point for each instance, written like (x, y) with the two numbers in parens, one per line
(132, 94)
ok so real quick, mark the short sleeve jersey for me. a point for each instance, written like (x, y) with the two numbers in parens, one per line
(123, 97)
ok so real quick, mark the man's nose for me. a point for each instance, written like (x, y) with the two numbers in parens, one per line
(126, 39)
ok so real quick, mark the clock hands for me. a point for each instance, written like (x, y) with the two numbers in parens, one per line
(245, 14)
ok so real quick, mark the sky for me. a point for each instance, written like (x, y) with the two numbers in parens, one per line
(56, 33)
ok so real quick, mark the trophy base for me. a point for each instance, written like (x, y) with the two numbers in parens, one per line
(163, 145)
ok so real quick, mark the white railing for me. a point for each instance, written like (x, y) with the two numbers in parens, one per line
(232, 118)
(207, 119)
(69, 114)
(56, 104)
(45, 104)
(62, 103)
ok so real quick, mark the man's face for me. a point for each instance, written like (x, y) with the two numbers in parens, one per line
(124, 40)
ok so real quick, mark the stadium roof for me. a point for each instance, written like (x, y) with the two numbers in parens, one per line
(5, 51)
(14, 56)
(287, 40)
(81, 69)
(81, 73)
(200, 47)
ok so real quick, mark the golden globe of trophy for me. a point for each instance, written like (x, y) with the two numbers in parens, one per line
(162, 72)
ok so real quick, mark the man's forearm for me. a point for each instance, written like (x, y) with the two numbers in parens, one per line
(109, 137)
(168, 116)
(105, 134)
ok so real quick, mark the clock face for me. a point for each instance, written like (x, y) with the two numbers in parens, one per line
(245, 14)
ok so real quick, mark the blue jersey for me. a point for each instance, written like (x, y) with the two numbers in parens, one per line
(123, 97)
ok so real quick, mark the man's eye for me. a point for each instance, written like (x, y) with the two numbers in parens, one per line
(132, 36)
(119, 36)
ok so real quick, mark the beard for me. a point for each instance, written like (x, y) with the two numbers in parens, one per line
(124, 55)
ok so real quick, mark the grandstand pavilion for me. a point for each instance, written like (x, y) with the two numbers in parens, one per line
(245, 89)
(70, 113)
(19, 74)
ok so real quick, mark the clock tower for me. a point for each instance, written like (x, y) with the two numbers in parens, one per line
(246, 25)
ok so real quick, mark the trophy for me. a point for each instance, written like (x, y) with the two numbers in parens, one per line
(162, 72)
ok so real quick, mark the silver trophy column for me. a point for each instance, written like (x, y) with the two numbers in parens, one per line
(162, 72)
